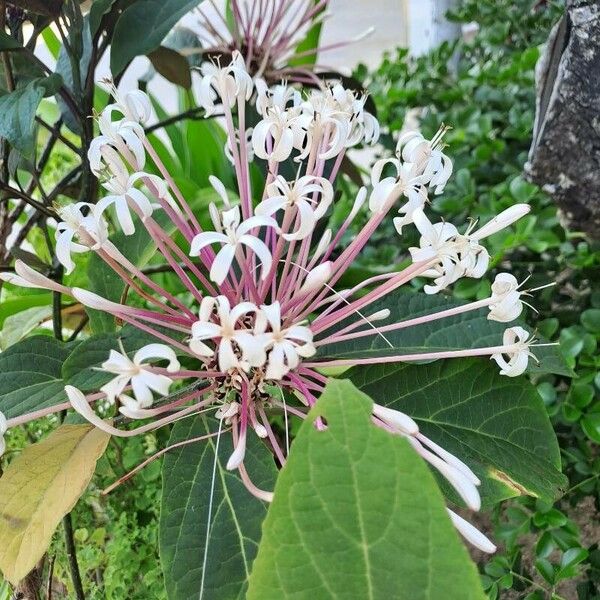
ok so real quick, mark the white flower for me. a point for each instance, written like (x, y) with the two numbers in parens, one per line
(227, 411)
(406, 183)
(364, 126)
(235, 235)
(455, 471)
(25, 276)
(123, 194)
(506, 304)
(249, 149)
(277, 96)
(122, 137)
(273, 137)
(310, 196)
(504, 219)
(323, 244)
(144, 382)
(134, 105)
(3, 430)
(286, 345)
(471, 533)
(436, 241)
(396, 419)
(461, 255)
(517, 350)
(81, 405)
(450, 459)
(427, 157)
(472, 258)
(83, 221)
(320, 115)
(227, 333)
(92, 300)
(230, 83)
(238, 454)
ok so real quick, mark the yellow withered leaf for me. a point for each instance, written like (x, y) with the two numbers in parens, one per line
(39, 488)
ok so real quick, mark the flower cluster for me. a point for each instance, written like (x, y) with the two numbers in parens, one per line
(266, 344)
(260, 305)
(268, 34)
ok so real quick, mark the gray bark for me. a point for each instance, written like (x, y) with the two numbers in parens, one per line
(564, 158)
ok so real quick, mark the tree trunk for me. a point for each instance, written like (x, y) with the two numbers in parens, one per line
(564, 158)
(427, 24)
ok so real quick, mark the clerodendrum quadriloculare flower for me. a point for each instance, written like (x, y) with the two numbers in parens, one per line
(268, 34)
(261, 299)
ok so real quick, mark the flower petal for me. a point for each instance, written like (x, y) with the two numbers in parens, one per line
(222, 263)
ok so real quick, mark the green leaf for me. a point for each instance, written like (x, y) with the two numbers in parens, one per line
(590, 319)
(52, 42)
(80, 38)
(521, 190)
(357, 514)
(172, 66)
(591, 426)
(8, 42)
(24, 71)
(236, 514)
(79, 369)
(17, 326)
(545, 569)
(17, 112)
(97, 11)
(16, 305)
(30, 375)
(497, 425)
(468, 330)
(142, 27)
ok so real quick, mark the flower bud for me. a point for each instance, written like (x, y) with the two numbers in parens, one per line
(316, 278)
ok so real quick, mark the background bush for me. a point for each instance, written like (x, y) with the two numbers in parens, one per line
(484, 89)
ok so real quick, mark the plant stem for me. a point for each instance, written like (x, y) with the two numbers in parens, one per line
(56, 315)
(67, 520)
(192, 113)
(18, 194)
(50, 577)
(72, 557)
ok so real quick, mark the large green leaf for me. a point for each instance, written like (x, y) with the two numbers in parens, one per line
(142, 27)
(80, 41)
(236, 515)
(17, 112)
(497, 425)
(30, 375)
(468, 330)
(358, 515)
(98, 9)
